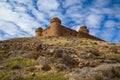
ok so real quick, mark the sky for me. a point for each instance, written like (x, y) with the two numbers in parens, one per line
(20, 18)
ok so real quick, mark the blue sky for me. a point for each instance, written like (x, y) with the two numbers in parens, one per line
(20, 18)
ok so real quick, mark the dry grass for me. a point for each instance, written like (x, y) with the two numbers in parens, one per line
(18, 61)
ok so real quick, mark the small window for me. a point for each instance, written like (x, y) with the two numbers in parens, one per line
(70, 33)
(46, 33)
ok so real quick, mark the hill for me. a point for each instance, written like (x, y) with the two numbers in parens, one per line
(59, 58)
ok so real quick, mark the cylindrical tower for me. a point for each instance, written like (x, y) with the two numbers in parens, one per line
(38, 32)
(55, 25)
(84, 29)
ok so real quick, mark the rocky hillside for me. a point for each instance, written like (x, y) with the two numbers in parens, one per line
(59, 58)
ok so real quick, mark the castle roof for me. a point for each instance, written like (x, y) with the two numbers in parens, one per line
(38, 29)
(55, 19)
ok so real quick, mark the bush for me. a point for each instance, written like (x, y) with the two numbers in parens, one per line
(19, 61)
(58, 53)
(61, 67)
(4, 75)
(112, 56)
(46, 76)
(18, 78)
(116, 71)
(15, 67)
(46, 67)
(69, 61)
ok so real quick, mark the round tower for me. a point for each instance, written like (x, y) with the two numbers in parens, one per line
(84, 29)
(38, 32)
(55, 25)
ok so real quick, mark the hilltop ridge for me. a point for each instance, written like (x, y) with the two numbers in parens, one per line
(59, 58)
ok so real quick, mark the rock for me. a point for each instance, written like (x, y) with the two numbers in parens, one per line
(90, 55)
(81, 64)
(2, 67)
(106, 71)
(42, 60)
(61, 67)
(92, 64)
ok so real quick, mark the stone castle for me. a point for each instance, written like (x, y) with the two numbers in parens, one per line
(56, 29)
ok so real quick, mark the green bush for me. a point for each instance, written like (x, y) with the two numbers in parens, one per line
(112, 56)
(19, 61)
(46, 67)
(4, 75)
(48, 76)
(58, 53)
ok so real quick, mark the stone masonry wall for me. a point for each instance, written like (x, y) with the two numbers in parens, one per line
(46, 32)
(64, 31)
(68, 32)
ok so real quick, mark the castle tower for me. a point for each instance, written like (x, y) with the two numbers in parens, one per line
(84, 29)
(38, 32)
(55, 25)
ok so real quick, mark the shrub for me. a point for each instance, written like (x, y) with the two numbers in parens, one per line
(4, 75)
(68, 60)
(46, 76)
(18, 78)
(19, 61)
(60, 67)
(58, 53)
(46, 67)
(112, 56)
(116, 71)
(15, 67)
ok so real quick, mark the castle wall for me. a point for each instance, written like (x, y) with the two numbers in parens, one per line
(47, 32)
(68, 32)
(85, 35)
(63, 31)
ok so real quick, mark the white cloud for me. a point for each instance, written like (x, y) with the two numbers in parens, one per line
(27, 23)
(76, 27)
(69, 3)
(102, 11)
(111, 24)
(117, 38)
(5, 5)
(47, 5)
(10, 29)
(107, 34)
(7, 14)
(94, 20)
(94, 31)
(101, 3)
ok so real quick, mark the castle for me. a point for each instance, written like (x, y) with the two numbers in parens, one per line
(56, 29)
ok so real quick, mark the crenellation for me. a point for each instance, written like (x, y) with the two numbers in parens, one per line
(83, 29)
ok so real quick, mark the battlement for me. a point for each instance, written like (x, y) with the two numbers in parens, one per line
(55, 19)
(56, 29)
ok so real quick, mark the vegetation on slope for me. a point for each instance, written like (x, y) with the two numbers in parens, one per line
(59, 58)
